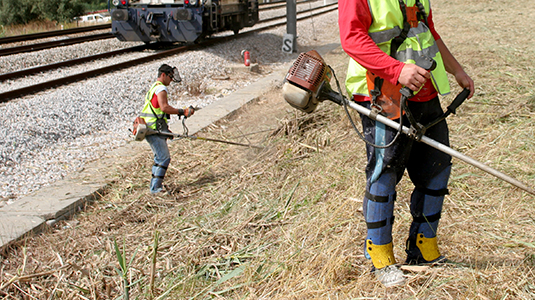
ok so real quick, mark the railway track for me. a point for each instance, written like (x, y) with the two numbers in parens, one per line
(72, 62)
(274, 5)
(54, 33)
(52, 44)
(13, 94)
(82, 39)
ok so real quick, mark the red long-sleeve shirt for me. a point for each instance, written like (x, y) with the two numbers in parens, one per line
(354, 20)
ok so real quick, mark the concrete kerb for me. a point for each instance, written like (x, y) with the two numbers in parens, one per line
(62, 199)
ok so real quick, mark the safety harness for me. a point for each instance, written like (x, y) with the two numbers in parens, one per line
(391, 100)
(160, 121)
(384, 95)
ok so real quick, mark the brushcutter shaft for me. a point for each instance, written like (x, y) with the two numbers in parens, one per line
(206, 139)
(444, 148)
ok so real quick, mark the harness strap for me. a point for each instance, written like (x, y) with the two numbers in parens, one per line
(154, 176)
(428, 219)
(375, 198)
(397, 41)
(160, 166)
(423, 15)
(379, 224)
(376, 92)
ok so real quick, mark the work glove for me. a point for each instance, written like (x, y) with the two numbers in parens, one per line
(188, 111)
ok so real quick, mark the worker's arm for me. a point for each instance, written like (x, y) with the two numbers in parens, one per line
(168, 109)
(354, 19)
(453, 67)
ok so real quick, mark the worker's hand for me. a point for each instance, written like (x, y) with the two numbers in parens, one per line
(413, 76)
(465, 82)
(189, 111)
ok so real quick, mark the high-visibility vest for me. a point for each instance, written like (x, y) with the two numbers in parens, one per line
(386, 25)
(149, 111)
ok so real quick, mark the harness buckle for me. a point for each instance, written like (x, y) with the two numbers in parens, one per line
(416, 131)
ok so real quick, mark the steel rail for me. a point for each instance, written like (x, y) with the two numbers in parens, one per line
(9, 95)
(53, 44)
(272, 2)
(299, 12)
(40, 35)
(282, 5)
(71, 62)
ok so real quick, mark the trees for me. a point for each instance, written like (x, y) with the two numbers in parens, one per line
(23, 11)
(60, 10)
(17, 11)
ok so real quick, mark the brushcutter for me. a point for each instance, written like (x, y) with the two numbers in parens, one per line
(307, 84)
(141, 130)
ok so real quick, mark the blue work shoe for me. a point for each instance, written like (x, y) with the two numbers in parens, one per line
(419, 260)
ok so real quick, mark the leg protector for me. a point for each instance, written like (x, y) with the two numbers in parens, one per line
(426, 208)
(158, 174)
(428, 247)
(381, 255)
(378, 209)
(162, 158)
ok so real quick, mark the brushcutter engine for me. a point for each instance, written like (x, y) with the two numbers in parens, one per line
(307, 83)
(140, 129)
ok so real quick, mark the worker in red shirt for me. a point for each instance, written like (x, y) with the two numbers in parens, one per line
(385, 39)
(156, 112)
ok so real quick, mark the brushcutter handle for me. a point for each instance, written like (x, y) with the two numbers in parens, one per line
(459, 100)
(423, 61)
(188, 112)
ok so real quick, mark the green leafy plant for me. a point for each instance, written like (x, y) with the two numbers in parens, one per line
(123, 272)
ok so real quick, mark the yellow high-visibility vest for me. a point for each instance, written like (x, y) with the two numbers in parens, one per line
(147, 112)
(386, 25)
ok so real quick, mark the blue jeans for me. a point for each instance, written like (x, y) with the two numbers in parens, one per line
(162, 158)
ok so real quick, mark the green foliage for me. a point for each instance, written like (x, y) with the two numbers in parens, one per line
(18, 11)
(60, 10)
(23, 11)
(94, 5)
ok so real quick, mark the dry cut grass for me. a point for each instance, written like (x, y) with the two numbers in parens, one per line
(285, 222)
